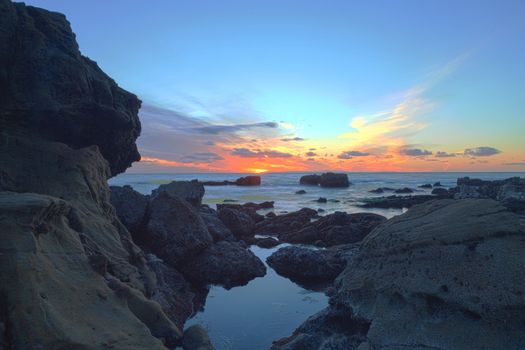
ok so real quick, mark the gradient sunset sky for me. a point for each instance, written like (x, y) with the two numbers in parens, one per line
(252, 86)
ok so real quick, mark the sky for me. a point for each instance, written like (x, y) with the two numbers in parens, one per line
(285, 85)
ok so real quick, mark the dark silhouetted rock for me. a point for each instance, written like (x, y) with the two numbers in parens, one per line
(218, 183)
(190, 191)
(438, 184)
(51, 90)
(335, 229)
(175, 231)
(440, 191)
(251, 180)
(196, 338)
(130, 206)
(321, 200)
(310, 180)
(225, 263)
(216, 227)
(310, 267)
(404, 190)
(300, 192)
(334, 180)
(382, 190)
(285, 223)
(268, 242)
(249, 209)
(239, 223)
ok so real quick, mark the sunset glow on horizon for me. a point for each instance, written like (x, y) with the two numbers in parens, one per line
(276, 86)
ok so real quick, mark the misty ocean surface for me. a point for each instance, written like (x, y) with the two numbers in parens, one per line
(271, 307)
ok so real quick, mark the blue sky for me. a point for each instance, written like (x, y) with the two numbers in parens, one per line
(334, 73)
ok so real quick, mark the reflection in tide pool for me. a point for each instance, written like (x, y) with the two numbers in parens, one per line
(252, 316)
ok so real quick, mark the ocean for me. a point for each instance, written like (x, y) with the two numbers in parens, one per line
(271, 307)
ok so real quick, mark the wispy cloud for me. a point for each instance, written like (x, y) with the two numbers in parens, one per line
(219, 129)
(442, 154)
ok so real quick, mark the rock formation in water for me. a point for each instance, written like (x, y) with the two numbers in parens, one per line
(444, 275)
(325, 180)
(71, 275)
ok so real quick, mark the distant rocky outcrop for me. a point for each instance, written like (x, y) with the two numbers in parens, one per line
(440, 276)
(510, 192)
(325, 180)
(251, 180)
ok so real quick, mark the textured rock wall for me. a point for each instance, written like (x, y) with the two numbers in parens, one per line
(71, 276)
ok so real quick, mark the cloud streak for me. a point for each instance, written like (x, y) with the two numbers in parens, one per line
(483, 151)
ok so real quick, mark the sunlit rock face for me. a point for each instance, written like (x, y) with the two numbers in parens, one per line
(71, 276)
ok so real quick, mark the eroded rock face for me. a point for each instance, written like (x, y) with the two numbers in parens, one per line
(442, 275)
(312, 180)
(196, 338)
(251, 180)
(47, 88)
(66, 259)
(286, 223)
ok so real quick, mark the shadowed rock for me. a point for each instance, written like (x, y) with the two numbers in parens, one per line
(281, 224)
(190, 191)
(175, 231)
(334, 180)
(196, 338)
(130, 206)
(225, 263)
(310, 180)
(310, 267)
(240, 223)
(334, 229)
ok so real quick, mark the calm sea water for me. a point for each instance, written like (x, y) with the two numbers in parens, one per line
(271, 307)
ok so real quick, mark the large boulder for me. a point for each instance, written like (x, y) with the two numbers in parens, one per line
(310, 267)
(335, 229)
(216, 227)
(47, 88)
(334, 180)
(240, 223)
(190, 191)
(130, 206)
(251, 180)
(443, 275)
(248, 208)
(175, 231)
(312, 180)
(225, 263)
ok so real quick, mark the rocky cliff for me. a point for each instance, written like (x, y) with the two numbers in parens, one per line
(71, 276)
